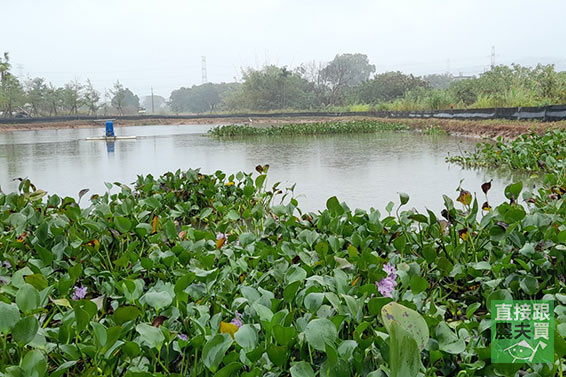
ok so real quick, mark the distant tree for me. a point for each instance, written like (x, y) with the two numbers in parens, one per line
(36, 95)
(387, 87)
(343, 72)
(202, 98)
(12, 94)
(274, 88)
(72, 97)
(123, 99)
(159, 102)
(91, 98)
(439, 81)
(53, 99)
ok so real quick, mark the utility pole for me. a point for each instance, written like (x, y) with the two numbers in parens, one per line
(203, 70)
(152, 105)
(492, 57)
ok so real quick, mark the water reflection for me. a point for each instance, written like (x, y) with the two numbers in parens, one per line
(365, 170)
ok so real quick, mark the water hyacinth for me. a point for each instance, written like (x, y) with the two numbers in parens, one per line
(80, 293)
(386, 285)
(183, 337)
(6, 264)
(237, 320)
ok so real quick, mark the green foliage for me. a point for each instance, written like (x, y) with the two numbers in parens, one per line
(532, 153)
(201, 98)
(170, 264)
(318, 128)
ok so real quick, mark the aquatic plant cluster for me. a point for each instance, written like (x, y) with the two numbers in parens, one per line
(192, 274)
(316, 128)
(531, 152)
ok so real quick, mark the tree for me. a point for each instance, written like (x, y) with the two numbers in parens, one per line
(439, 81)
(91, 98)
(343, 72)
(71, 96)
(387, 87)
(53, 99)
(124, 99)
(36, 93)
(159, 103)
(273, 88)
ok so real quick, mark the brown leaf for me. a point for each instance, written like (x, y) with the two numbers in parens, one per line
(158, 321)
(485, 187)
(154, 223)
(486, 207)
(465, 197)
(82, 193)
(259, 169)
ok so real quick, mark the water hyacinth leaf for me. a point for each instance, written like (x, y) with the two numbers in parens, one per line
(320, 332)
(529, 285)
(485, 187)
(290, 291)
(233, 215)
(229, 370)
(513, 190)
(347, 348)
(37, 280)
(25, 329)
(34, 364)
(246, 337)
(126, 313)
(313, 301)
(27, 298)
(404, 198)
(333, 205)
(404, 353)
(158, 300)
(9, 316)
(63, 368)
(465, 197)
(123, 224)
(408, 319)
(295, 273)
(301, 369)
(152, 336)
(418, 284)
(215, 349)
(278, 355)
(448, 341)
(284, 335)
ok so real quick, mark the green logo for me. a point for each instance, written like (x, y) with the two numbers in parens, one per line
(522, 331)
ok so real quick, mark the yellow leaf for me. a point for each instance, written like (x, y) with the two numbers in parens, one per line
(355, 281)
(228, 328)
(220, 242)
(465, 197)
(154, 224)
(230, 183)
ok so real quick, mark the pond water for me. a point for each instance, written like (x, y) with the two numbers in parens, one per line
(364, 170)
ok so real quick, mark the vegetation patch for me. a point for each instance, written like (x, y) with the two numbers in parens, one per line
(202, 275)
(530, 152)
(317, 128)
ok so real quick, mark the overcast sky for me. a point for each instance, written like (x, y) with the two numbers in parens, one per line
(159, 43)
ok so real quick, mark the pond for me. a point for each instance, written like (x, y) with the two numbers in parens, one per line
(364, 170)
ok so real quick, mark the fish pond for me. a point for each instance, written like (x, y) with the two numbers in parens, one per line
(363, 169)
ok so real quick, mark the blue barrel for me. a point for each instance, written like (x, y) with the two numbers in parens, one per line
(109, 128)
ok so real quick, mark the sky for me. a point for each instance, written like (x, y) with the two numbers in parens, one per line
(159, 44)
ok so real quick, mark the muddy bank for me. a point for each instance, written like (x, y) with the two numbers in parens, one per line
(479, 129)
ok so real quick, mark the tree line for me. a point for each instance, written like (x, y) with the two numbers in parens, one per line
(348, 82)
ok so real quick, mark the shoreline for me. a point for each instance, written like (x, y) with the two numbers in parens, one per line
(489, 129)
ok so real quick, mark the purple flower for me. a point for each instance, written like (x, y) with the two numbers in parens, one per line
(237, 320)
(390, 269)
(220, 236)
(183, 337)
(386, 285)
(6, 264)
(80, 293)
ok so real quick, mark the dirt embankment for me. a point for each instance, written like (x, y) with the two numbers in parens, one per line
(471, 128)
